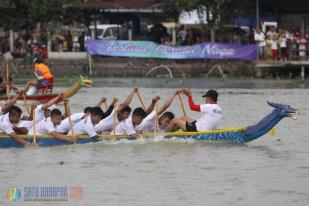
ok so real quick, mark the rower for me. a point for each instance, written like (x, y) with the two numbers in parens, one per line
(87, 125)
(148, 124)
(123, 113)
(128, 126)
(8, 125)
(109, 109)
(42, 111)
(211, 114)
(48, 126)
(65, 126)
(43, 75)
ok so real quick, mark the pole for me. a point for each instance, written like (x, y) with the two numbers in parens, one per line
(90, 65)
(182, 106)
(26, 104)
(33, 125)
(114, 120)
(257, 13)
(156, 117)
(7, 81)
(66, 104)
(140, 99)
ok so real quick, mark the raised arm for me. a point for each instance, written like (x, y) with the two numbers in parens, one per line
(192, 105)
(168, 101)
(10, 104)
(152, 105)
(110, 108)
(51, 102)
(102, 100)
(127, 101)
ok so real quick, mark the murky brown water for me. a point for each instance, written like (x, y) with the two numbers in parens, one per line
(176, 172)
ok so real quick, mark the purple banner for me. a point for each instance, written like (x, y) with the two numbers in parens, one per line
(148, 49)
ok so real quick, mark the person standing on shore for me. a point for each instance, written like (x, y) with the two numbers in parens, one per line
(259, 38)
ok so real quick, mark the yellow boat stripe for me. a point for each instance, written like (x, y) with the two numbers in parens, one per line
(146, 134)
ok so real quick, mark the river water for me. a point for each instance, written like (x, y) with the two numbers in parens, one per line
(268, 171)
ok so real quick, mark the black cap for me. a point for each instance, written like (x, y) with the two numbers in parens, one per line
(212, 94)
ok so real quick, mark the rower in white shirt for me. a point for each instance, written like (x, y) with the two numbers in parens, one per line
(123, 112)
(87, 125)
(42, 111)
(209, 120)
(48, 126)
(65, 126)
(8, 125)
(148, 124)
(128, 126)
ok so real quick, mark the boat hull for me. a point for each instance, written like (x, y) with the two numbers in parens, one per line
(228, 135)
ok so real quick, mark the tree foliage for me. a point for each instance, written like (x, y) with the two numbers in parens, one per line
(25, 14)
(222, 11)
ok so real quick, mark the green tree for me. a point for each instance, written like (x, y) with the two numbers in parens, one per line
(25, 14)
(219, 13)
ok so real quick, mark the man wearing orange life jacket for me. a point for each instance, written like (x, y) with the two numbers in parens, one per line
(43, 74)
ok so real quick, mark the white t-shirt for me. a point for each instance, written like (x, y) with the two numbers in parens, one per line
(84, 126)
(107, 123)
(26, 123)
(39, 113)
(148, 124)
(210, 118)
(125, 128)
(44, 127)
(260, 38)
(65, 127)
(274, 45)
(283, 42)
(5, 125)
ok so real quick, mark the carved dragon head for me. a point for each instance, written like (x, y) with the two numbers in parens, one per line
(85, 82)
(285, 110)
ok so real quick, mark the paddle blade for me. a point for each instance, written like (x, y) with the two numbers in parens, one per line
(272, 132)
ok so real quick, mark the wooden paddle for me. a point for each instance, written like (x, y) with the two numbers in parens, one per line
(114, 119)
(7, 81)
(33, 124)
(66, 104)
(182, 106)
(140, 99)
(156, 117)
(26, 104)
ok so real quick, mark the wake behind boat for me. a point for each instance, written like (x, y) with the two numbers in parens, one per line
(230, 135)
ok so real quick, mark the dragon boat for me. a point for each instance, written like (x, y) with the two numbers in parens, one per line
(46, 97)
(230, 135)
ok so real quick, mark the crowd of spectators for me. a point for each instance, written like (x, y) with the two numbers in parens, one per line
(281, 44)
(274, 44)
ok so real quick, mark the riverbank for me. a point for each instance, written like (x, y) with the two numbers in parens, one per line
(244, 83)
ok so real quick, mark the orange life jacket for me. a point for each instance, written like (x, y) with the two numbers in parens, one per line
(43, 71)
